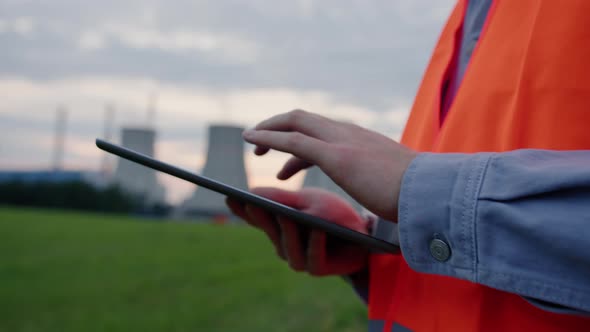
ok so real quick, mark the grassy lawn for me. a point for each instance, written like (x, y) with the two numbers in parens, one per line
(65, 271)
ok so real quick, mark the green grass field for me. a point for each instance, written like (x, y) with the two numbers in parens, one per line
(65, 271)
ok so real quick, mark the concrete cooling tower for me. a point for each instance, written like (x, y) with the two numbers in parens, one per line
(134, 178)
(225, 162)
(315, 177)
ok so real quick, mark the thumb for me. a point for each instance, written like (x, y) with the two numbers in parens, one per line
(289, 198)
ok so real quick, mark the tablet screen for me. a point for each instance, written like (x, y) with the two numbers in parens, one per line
(247, 197)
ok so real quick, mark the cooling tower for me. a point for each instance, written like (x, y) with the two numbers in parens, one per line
(136, 179)
(225, 162)
(315, 177)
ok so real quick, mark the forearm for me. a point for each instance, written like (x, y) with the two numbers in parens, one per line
(516, 221)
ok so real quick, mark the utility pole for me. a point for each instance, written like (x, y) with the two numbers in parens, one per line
(109, 119)
(59, 138)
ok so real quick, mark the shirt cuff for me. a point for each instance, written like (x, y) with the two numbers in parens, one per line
(437, 189)
(437, 220)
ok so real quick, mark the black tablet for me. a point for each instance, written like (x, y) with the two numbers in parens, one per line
(247, 197)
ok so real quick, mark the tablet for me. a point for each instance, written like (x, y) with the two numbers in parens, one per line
(247, 197)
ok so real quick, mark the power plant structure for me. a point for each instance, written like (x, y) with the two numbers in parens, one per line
(60, 138)
(315, 177)
(134, 178)
(225, 162)
(105, 164)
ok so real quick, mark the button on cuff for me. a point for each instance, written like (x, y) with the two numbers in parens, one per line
(439, 195)
(440, 250)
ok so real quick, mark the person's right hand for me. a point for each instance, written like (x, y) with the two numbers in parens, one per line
(367, 165)
(309, 250)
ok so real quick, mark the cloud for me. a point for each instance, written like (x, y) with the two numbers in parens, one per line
(22, 26)
(91, 41)
(336, 46)
(207, 61)
(184, 41)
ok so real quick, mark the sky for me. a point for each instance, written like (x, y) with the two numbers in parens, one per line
(202, 62)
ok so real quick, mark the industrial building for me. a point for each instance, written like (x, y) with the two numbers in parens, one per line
(136, 179)
(225, 162)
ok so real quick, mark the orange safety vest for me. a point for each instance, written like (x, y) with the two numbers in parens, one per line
(527, 86)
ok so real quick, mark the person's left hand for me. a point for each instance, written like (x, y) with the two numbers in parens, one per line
(308, 249)
(367, 165)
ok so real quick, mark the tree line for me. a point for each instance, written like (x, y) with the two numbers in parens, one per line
(78, 195)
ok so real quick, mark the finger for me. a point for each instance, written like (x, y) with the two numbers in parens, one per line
(291, 241)
(237, 208)
(266, 222)
(298, 144)
(311, 124)
(261, 150)
(293, 199)
(291, 167)
(344, 258)
(316, 253)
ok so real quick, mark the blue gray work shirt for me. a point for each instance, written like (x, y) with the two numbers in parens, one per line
(516, 221)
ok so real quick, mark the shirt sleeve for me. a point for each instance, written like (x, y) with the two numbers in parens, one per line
(516, 221)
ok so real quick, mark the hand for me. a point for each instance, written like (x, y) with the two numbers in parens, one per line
(308, 250)
(367, 165)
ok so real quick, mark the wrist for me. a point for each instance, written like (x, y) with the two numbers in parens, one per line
(402, 163)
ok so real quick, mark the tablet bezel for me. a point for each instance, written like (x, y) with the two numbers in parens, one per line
(245, 196)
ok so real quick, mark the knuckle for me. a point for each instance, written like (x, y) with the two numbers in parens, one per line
(252, 222)
(297, 112)
(280, 253)
(296, 115)
(313, 272)
(296, 267)
(294, 139)
(317, 272)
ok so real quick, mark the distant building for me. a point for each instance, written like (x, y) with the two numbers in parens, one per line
(134, 178)
(225, 162)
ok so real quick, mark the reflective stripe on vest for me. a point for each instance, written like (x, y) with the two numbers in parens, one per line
(527, 86)
(376, 325)
(379, 326)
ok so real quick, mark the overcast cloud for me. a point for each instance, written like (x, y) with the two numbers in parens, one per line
(208, 61)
